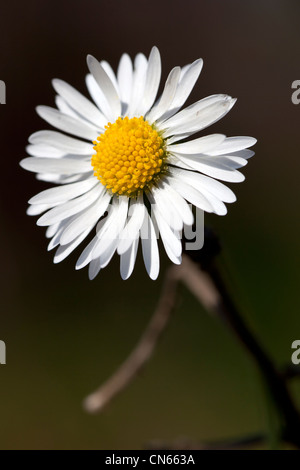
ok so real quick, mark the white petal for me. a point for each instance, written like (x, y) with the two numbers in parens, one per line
(175, 138)
(171, 242)
(138, 84)
(187, 81)
(63, 179)
(200, 181)
(87, 219)
(60, 228)
(218, 206)
(67, 123)
(151, 83)
(170, 254)
(230, 161)
(173, 160)
(110, 218)
(198, 117)
(190, 194)
(246, 154)
(79, 103)
(62, 142)
(52, 229)
(167, 96)
(55, 240)
(86, 256)
(94, 268)
(108, 253)
(106, 85)
(190, 111)
(201, 145)
(233, 144)
(71, 207)
(110, 236)
(178, 202)
(64, 108)
(149, 247)
(169, 213)
(127, 260)
(211, 168)
(184, 88)
(37, 209)
(98, 96)
(64, 251)
(65, 166)
(125, 76)
(131, 229)
(184, 69)
(63, 193)
(108, 69)
(44, 151)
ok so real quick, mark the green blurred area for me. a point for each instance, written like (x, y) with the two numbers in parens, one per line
(64, 334)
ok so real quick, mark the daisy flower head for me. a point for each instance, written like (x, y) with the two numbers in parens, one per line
(113, 159)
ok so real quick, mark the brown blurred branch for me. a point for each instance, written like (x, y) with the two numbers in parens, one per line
(201, 287)
(222, 306)
(207, 285)
(275, 381)
(142, 352)
(291, 371)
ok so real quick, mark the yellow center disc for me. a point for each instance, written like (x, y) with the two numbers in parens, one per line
(129, 156)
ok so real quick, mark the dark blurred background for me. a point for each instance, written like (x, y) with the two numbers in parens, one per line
(65, 334)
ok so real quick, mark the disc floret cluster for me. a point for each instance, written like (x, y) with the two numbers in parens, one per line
(129, 156)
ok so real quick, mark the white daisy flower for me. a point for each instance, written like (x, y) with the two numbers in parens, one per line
(130, 153)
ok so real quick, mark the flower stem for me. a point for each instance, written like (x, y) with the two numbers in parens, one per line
(275, 381)
(226, 309)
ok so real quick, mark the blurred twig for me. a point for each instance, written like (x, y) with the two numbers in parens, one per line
(226, 310)
(291, 371)
(202, 288)
(142, 352)
(201, 276)
(274, 380)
